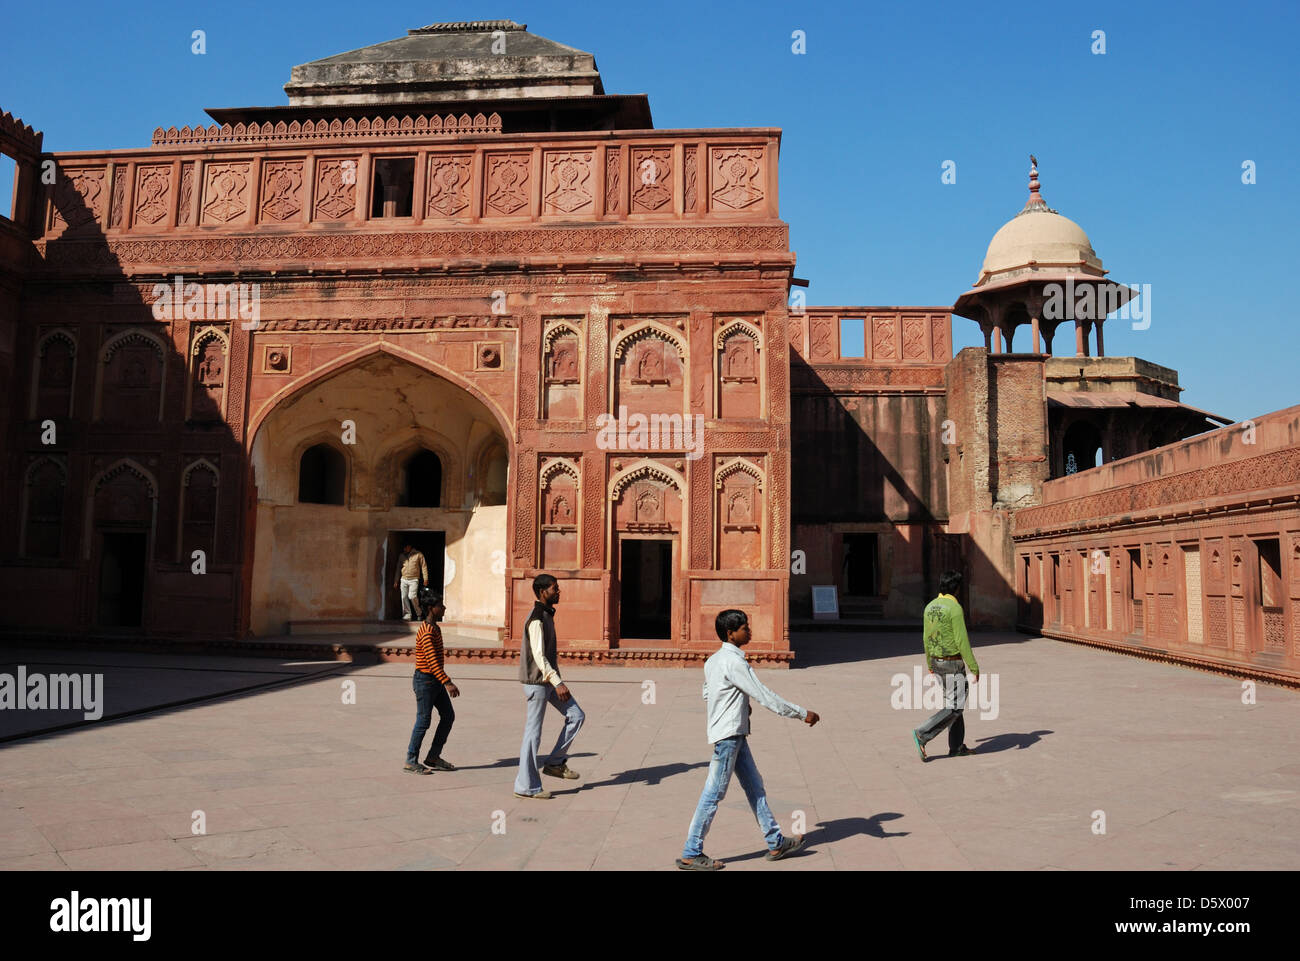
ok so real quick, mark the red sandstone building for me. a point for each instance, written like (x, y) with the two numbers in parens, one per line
(454, 294)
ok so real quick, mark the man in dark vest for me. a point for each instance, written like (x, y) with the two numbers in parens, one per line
(542, 684)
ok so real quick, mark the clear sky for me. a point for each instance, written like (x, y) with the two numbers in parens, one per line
(1142, 146)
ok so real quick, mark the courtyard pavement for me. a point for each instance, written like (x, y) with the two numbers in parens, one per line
(288, 775)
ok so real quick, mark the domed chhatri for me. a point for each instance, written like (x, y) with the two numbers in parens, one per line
(1034, 264)
(1037, 239)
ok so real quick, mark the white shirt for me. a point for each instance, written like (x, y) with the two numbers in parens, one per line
(729, 683)
(538, 646)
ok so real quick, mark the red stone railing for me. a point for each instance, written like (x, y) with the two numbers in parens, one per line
(215, 183)
(315, 130)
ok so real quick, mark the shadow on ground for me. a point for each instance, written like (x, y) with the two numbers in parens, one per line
(814, 649)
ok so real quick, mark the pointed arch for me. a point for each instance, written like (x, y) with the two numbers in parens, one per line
(645, 468)
(646, 329)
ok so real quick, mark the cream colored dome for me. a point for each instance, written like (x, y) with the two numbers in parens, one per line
(1038, 239)
(1041, 238)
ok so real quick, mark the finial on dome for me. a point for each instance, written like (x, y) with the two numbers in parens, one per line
(1035, 201)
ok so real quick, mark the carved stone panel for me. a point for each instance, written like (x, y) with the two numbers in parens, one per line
(55, 360)
(226, 191)
(737, 179)
(562, 374)
(649, 375)
(132, 382)
(507, 185)
(652, 180)
(124, 498)
(153, 183)
(187, 195)
(208, 375)
(281, 191)
(79, 199)
(739, 517)
(561, 510)
(336, 188)
(447, 185)
(567, 187)
(738, 381)
(613, 171)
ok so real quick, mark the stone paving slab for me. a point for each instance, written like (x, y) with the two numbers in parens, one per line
(306, 773)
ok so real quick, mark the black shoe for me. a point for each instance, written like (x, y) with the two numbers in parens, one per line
(961, 752)
(438, 764)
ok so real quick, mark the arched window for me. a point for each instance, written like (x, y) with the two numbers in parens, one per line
(322, 474)
(421, 481)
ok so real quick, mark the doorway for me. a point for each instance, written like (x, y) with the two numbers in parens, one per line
(861, 556)
(645, 589)
(432, 544)
(121, 579)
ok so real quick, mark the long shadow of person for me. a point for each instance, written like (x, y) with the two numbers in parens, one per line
(828, 832)
(644, 775)
(1006, 742)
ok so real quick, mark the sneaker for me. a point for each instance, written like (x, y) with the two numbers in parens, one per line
(414, 768)
(539, 796)
(561, 770)
(961, 752)
(438, 764)
(787, 846)
(406, 617)
(701, 862)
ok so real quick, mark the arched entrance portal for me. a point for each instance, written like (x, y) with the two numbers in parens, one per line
(401, 455)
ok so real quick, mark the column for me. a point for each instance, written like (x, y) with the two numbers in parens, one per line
(1034, 324)
(1101, 346)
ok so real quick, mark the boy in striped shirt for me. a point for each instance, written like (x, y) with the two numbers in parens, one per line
(433, 688)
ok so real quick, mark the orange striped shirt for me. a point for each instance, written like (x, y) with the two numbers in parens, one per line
(428, 652)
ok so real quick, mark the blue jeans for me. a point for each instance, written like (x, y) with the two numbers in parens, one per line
(428, 695)
(528, 781)
(731, 754)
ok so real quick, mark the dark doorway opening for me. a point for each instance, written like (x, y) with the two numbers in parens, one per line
(392, 187)
(421, 481)
(432, 544)
(121, 579)
(645, 589)
(861, 561)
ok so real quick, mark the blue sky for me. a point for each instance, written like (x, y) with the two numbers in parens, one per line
(1142, 146)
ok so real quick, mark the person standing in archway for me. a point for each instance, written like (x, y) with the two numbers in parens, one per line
(542, 686)
(411, 569)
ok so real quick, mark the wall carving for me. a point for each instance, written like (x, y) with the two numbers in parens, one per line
(225, 192)
(153, 186)
(567, 185)
(1236, 478)
(448, 185)
(506, 192)
(652, 184)
(613, 167)
(78, 199)
(277, 251)
(336, 188)
(281, 190)
(737, 177)
(187, 195)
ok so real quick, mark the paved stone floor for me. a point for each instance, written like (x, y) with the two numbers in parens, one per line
(288, 775)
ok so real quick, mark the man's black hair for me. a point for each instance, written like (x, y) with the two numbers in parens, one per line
(541, 582)
(729, 620)
(950, 582)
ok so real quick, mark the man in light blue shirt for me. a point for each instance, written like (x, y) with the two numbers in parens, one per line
(729, 683)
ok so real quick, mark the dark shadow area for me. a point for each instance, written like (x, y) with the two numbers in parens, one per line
(124, 486)
(817, 650)
(1008, 742)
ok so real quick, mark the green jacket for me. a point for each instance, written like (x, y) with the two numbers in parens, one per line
(945, 632)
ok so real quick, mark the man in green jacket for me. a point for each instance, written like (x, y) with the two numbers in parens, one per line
(948, 654)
